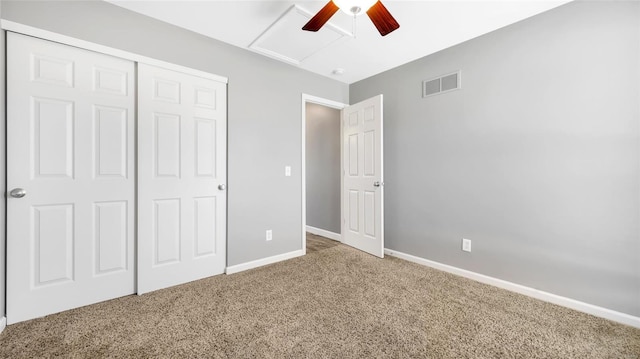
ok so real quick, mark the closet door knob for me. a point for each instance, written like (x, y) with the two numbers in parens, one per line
(18, 193)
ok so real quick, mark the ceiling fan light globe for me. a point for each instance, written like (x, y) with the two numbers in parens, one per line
(348, 6)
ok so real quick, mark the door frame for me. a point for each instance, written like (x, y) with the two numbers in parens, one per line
(303, 168)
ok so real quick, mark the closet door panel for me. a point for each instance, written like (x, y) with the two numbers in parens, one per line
(70, 148)
(181, 177)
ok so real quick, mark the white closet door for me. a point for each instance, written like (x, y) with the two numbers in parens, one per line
(70, 126)
(363, 196)
(181, 178)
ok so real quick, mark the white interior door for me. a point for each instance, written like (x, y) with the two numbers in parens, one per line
(70, 126)
(181, 178)
(362, 180)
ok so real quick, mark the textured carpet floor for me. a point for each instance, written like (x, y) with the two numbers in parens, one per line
(335, 302)
(318, 243)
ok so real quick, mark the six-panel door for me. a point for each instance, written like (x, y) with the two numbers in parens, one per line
(362, 197)
(181, 178)
(70, 146)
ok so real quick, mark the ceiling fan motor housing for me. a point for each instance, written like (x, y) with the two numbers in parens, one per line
(355, 10)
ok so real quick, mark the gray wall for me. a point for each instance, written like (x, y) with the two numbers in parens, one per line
(264, 102)
(323, 167)
(536, 159)
(2, 171)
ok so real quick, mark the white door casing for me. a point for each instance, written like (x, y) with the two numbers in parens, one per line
(70, 145)
(181, 178)
(362, 178)
(323, 102)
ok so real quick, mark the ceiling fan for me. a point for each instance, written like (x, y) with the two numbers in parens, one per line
(378, 13)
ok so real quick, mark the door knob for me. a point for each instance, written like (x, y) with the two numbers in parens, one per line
(378, 184)
(222, 187)
(18, 193)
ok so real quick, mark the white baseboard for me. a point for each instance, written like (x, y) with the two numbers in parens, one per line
(263, 262)
(3, 323)
(324, 233)
(528, 291)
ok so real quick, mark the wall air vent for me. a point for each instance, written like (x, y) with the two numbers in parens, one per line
(430, 87)
(441, 84)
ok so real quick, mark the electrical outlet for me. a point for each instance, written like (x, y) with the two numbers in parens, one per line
(287, 171)
(269, 234)
(466, 245)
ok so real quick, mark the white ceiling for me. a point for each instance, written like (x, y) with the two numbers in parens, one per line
(425, 27)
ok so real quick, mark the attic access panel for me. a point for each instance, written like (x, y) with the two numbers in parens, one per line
(284, 40)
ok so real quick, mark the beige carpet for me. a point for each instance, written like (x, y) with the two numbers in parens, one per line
(335, 302)
(318, 243)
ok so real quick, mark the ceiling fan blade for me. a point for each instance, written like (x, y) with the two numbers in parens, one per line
(321, 17)
(382, 19)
